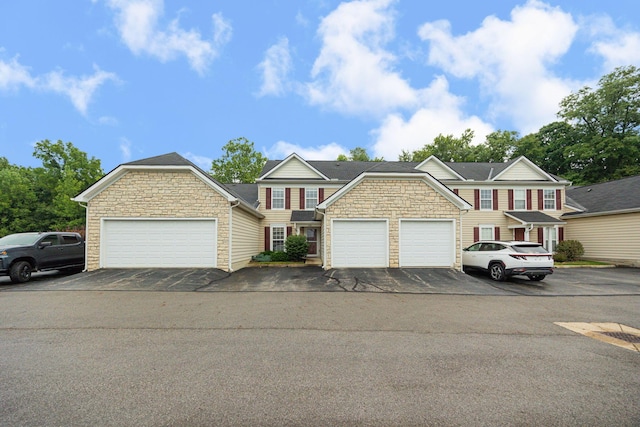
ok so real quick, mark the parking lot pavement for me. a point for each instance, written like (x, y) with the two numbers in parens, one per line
(564, 282)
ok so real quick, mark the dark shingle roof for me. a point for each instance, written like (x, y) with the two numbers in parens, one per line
(302, 216)
(609, 196)
(247, 192)
(534, 217)
(478, 171)
(170, 159)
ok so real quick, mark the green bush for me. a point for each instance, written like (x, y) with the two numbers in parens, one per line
(279, 256)
(296, 247)
(560, 257)
(572, 249)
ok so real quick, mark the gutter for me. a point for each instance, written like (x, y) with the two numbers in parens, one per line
(230, 237)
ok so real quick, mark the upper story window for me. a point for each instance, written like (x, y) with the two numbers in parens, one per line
(549, 200)
(520, 199)
(486, 199)
(277, 198)
(310, 198)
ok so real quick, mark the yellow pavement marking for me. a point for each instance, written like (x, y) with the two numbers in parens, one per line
(595, 330)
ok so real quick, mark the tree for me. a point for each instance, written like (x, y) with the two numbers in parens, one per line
(497, 148)
(446, 148)
(240, 163)
(358, 154)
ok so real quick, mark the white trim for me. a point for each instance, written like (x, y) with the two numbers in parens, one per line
(530, 164)
(386, 222)
(514, 198)
(493, 231)
(453, 237)
(288, 159)
(480, 190)
(606, 213)
(284, 198)
(271, 227)
(433, 158)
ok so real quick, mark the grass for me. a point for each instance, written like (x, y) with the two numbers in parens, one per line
(582, 262)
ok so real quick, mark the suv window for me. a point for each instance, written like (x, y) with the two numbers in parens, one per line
(492, 247)
(53, 239)
(69, 240)
(530, 249)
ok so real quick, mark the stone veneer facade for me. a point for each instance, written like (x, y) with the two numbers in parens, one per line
(158, 194)
(392, 199)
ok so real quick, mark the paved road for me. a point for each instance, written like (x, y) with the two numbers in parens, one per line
(312, 358)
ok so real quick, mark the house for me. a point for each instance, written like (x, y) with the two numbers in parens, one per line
(166, 212)
(605, 218)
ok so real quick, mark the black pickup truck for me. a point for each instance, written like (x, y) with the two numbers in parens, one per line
(23, 253)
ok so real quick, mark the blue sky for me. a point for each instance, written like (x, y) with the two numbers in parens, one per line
(124, 80)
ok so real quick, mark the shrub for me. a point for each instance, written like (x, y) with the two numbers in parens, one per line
(572, 249)
(560, 257)
(279, 256)
(296, 247)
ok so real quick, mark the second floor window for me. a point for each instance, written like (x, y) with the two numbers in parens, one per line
(310, 198)
(520, 199)
(277, 198)
(549, 200)
(486, 199)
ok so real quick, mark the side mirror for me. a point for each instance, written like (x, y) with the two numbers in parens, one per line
(45, 244)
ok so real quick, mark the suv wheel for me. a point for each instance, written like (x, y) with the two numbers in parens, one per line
(496, 271)
(537, 277)
(20, 272)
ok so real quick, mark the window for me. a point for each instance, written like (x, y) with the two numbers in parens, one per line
(69, 240)
(486, 199)
(277, 198)
(277, 238)
(550, 238)
(520, 200)
(549, 200)
(486, 232)
(310, 198)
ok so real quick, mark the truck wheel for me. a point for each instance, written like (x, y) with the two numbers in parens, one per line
(496, 271)
(20, 272)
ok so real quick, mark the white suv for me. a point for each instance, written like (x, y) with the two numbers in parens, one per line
(505, 259)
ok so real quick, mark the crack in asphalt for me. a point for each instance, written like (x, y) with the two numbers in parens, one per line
(337, 281)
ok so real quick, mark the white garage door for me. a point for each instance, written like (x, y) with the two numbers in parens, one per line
(427, 243)
(359, 243)
(158, 243)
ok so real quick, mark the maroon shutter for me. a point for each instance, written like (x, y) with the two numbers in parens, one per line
(320, 195)
(540, 200)
(510, 196)
(456, 191)
(302, 198)
(495, 200)
(287, 198)
(476, 234)
(529, 200)
(267, 239)
(289, 231)
(540, 235)
(558, 199)
(561, 234)
(268, 201)
(496, 233)
(476, 199)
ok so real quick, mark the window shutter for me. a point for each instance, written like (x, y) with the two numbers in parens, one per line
(456, 191)
(302, 198)
(267, 239)
(476, 199)
(558, 199)
(540, 200)
(287, 198)
(289, 231)
(496, 233)
(510, 196)
(476, 234)
(561, 234)
(540, 235)
(320, 195)
(268, 201)
(495, 200)
(529, 200)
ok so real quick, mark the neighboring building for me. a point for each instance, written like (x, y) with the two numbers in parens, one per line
(166, 212)
(605, 218)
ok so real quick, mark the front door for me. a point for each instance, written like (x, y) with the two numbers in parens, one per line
(519, 234)
(312, 238)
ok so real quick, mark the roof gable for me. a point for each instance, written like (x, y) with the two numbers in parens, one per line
(438, 169)
(293, 167)
(522, 169)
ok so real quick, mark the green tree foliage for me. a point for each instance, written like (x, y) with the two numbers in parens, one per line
(240, 163)
(358, 154)
(498, 147)
(446, 148)
(296, 247)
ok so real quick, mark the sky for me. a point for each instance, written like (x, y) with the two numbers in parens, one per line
(125, 80)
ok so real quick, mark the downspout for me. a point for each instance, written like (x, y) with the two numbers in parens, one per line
(460, 237)
(86, 234)
(230, 247)
(324, 238)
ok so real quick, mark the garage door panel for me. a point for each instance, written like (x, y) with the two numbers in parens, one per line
(427, 243)
(359, 243)
(159, 243)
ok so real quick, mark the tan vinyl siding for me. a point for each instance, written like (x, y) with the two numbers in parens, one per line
(437, 170)
(521, 172)
(245, 238)
(294, 168)
(613, 238)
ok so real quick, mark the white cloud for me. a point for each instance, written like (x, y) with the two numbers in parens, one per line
(283, 149)
(618, 47)
(80, 90)
(353, 73)
(108, 121)
(441, 113)
(275, 69)
(511, 59)
(125, 149)
(137, 22)
(201, 161)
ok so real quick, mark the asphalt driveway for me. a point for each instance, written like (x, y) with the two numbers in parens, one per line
(565, 282)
